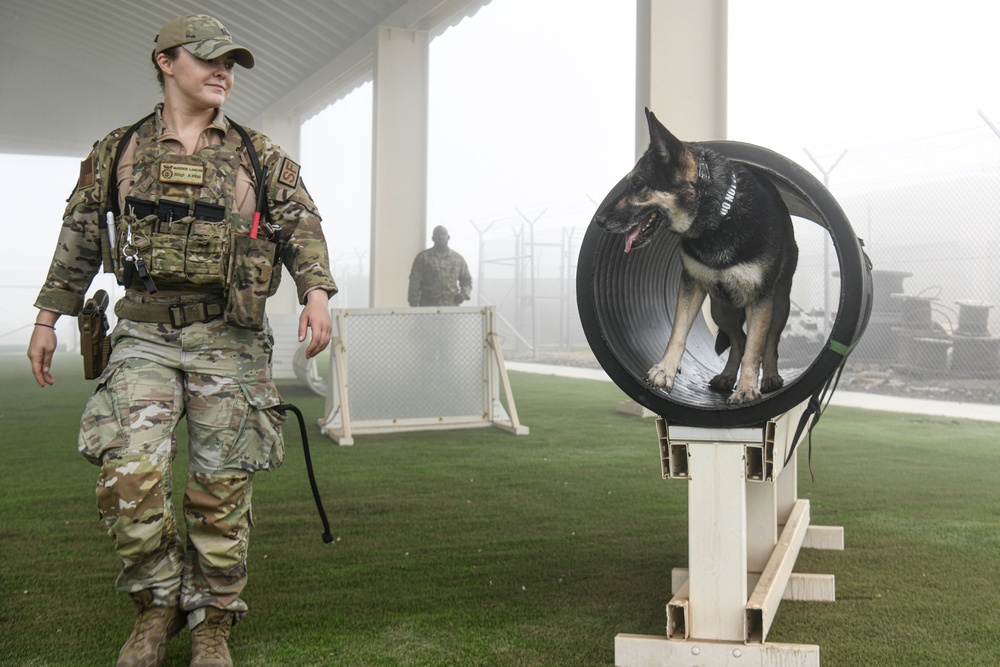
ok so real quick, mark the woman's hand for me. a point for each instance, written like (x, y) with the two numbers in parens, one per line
(316, 316)
(42, 346)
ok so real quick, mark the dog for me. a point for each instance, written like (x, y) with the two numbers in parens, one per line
(737, 246)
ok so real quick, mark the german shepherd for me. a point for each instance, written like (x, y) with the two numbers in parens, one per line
(737, 246)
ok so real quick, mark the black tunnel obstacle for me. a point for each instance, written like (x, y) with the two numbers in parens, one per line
(627, 302)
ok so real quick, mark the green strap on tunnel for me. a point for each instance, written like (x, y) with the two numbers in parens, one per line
(840, 348)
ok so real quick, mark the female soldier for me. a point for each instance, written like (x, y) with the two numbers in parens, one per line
(191, 339)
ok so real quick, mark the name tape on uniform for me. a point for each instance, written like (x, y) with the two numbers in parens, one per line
(186, 174)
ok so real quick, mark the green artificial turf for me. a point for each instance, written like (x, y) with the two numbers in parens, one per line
(477, 547)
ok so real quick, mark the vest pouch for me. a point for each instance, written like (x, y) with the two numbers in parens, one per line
(207, 251)
(250, 271)
(168, 250)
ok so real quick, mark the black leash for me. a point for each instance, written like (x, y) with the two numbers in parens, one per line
(327, 536)
(815, 408)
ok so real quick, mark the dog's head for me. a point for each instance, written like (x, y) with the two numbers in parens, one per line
(660, 190)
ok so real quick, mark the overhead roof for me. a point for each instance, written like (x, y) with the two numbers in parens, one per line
(70, 71)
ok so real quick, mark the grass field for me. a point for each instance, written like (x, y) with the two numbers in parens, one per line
(477, 547)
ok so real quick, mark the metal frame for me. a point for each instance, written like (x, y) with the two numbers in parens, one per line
(338, 423)
(746, 526)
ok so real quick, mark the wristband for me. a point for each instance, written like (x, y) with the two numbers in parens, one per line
(42, 324)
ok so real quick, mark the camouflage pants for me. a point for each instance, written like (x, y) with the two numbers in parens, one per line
(218, 377)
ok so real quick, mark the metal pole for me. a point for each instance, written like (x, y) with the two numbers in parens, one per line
(479, 272)
(826, 240)
(532, 268)
(518, 269)
(567, 290)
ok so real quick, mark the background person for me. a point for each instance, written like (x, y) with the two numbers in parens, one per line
(439, 275)
(186, 185)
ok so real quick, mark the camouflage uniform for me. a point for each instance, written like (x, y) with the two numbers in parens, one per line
(439, 277)
(216, 375)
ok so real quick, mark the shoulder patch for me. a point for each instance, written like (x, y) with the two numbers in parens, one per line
(288, 175)
(86, 172)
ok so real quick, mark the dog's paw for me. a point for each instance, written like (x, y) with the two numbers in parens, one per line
(743, 395)
(722, 382)
(771, 383)
(659, 377)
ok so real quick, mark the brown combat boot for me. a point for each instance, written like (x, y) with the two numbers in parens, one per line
(147, 644)
(208, 639)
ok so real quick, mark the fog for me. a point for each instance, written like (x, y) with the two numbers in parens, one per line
(531, 113)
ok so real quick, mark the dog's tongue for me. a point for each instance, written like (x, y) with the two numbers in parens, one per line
(631, 237)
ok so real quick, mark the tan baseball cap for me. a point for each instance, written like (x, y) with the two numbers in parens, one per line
(203, 36)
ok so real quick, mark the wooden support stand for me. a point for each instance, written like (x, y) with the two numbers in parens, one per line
(746, 525)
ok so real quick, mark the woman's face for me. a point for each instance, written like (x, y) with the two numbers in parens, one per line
(203, 84)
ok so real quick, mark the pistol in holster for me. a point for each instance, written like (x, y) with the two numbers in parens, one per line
(95, 346)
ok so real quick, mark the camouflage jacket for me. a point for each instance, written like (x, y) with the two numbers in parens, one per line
(78, 255)
(439, 278)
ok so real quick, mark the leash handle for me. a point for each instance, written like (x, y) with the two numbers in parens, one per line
(327, 535)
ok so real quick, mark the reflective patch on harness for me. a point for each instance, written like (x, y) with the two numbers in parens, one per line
(289, 174)
(187, 174)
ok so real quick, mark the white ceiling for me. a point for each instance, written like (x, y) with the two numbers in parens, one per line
(72, 70)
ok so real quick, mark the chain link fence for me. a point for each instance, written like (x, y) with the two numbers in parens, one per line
(930, 229)
(928, 208)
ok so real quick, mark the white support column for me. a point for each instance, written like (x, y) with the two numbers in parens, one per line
(717, 571)
(681, 70)
(399, 162)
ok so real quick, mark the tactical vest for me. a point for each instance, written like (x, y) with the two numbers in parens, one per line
(180, 213)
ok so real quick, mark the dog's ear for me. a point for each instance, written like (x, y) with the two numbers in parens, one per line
(668, 147)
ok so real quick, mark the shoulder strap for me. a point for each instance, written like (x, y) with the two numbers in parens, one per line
(254, 161)
(112, 202)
